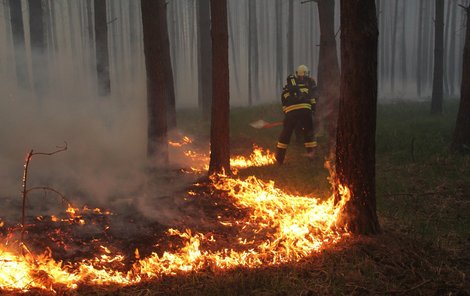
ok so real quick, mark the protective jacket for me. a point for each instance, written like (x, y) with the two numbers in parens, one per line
(299, 94)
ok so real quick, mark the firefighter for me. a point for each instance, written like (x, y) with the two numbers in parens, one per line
(298, 103)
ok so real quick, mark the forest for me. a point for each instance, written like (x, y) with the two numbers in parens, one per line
(239, 147)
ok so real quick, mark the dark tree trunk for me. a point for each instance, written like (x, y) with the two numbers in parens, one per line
(158, 68)
(328, 69)
(220, 131)
(380, 21)
(461, 141)
(252, 53)
(38, 47)
(290, 38)
(419, 59)
(174, 37)
(446, 49)
(16, 17)
(101, 48)
(204, 57)
(279, 48)
(451, 60)
(355, 148)
(438, 79)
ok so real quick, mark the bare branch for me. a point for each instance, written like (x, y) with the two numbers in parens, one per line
(25, 191)
(60, 149)
(45, 188)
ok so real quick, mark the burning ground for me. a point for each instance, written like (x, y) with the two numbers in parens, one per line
(227, 222)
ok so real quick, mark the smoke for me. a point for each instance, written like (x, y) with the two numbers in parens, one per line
(105, 164)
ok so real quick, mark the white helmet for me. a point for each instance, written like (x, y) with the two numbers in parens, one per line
(302, 70)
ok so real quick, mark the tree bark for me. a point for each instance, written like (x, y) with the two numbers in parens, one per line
(220, 131)
(438, 77)
(419, 59)
(158, 69)
(38, 47)
(204, 57)
(101, 48)
(461, 140)
(446, 49)
(380, 46)
(17, 27)
(328, 69)
(451, 56)
(355, 148)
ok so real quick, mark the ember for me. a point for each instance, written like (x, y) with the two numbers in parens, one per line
(278, 228)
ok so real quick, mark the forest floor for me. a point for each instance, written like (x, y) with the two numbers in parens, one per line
(423, 204)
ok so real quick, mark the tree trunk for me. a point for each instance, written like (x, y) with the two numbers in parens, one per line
(38, 47)
(204, 57)
(328, 69)
(279, 48)
(290, 38)
(355, 148)
(461, 141)
(16, 18)
(158, 68)
(220, 131)
(380, 54)
(419, 59)
(446, 49)
(451, 57)
(101, 48)
(438, 80)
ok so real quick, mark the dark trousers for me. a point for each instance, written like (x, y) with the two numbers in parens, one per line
(302, 117)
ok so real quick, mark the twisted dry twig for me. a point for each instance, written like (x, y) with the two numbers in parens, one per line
(25, 190)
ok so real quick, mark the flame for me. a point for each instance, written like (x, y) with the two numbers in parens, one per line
(278, 228)
(184, 141)
(258, 157)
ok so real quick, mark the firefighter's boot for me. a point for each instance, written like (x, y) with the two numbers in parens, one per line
(280, 155)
